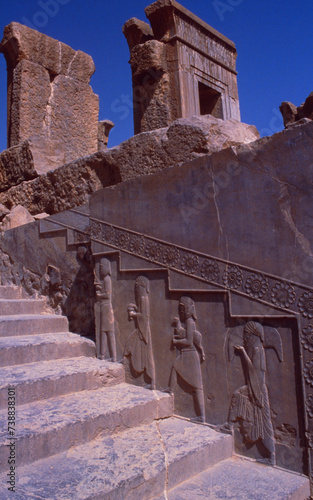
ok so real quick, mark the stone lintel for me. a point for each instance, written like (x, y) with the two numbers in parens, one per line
(21, 42)
(163, 15)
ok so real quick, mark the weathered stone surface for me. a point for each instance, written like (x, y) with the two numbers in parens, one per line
(104, 127)
(48, 153)
(38, 381)
(30, 91)
(20, 42)
(15, 350)
(18, 216)
(236, 478)
(137, 32)
(292, 114)
(65, 187)
(16, 165)
(289, 112)
(49, 97)
(133, 464)
(147, 56)
(306, 109)
(17, 325)
(29, 159)
(72, 116)
(3, 211)
(187, 69)
(145, 153)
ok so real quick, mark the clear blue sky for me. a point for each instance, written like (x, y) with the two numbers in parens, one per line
(274, 40)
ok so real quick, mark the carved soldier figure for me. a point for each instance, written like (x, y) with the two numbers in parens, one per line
(250, 403)
(139, 344)
(188, 342)
(104, 315)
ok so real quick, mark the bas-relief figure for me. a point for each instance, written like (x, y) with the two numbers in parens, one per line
(188, 343)
(138, 347)
(104, 315)
(250, 404)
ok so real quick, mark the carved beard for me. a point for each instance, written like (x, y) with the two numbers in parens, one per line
(250, 342)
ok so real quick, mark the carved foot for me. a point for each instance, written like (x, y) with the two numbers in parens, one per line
(169, 390)
(227, 428)
(200, 419)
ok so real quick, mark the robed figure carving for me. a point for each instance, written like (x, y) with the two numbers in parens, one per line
(139, 343)
(250, 403)
(104, 315)
(188, 343)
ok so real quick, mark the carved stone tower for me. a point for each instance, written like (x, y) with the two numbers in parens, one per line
(180, 66)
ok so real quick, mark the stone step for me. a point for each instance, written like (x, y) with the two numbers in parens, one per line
(48, 346)
(21, 306)
(10, 292)
(237, 478)
(46, 379)
(49, 427)
(30, 324)
(136, 464)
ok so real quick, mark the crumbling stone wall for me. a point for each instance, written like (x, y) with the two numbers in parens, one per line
(49, 100)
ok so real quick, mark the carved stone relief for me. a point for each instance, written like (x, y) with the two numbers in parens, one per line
(138, 346)
(104, 315)
(250, 404)
(188, 344)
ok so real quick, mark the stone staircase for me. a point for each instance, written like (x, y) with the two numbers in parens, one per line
(82, 433)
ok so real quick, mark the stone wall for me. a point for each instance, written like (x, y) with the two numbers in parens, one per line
(231, 232)
(146, 153)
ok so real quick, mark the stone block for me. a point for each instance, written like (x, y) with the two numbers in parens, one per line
(236, 478)
(36, 324)
(30, 92)
(104, 127)
(20, 42)
(148, 56)
(49, 97)
(21, 306)
(17, 217)
(72, 116)
(145, 153)
(70, 420)
(16, 166)
(18, 350)
(137, 32)
(41, 381)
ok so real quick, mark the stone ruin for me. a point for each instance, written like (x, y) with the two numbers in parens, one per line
(185, 253)
(180, 67)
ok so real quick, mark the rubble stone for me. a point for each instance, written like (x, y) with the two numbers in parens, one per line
(17, 217)
(146, 153)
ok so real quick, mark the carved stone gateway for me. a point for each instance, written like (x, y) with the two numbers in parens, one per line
(180, 66)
